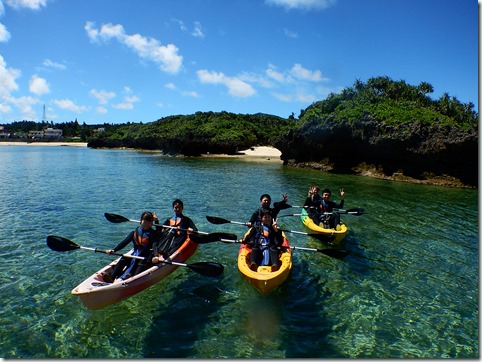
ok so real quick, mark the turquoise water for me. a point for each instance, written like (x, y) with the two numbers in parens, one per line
(408, 289)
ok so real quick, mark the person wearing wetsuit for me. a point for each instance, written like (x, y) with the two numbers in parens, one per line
(265, 202)
(265, 239)
(142, 238)
(316, 207)
(173, 233)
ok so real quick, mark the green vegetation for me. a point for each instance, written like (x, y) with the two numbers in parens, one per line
(219, 130)
(393, 102)
(379, 99)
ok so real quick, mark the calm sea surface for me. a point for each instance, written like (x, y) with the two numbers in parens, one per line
(409, 287)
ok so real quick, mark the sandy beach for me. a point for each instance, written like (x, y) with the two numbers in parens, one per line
(50, 144)
(262, 153)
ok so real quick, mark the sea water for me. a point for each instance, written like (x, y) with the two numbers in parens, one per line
(407, 289)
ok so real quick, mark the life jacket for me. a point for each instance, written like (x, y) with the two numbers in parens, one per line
(175, 221)
(141, 238)
(325, 206)
(262, 236)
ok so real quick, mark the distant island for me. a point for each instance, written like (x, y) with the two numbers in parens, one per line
(381, 128)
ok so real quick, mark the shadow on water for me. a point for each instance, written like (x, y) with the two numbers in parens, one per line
(175, 331)
(306, 327)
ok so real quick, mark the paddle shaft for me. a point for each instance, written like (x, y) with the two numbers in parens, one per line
(132, 256)
(328, 252)
(119, 219)
(59, 243)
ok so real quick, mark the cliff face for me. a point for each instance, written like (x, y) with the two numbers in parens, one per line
(410, 150)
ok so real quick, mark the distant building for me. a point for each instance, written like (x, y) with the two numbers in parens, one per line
(35, 134)
(53, 133)
(49, 133)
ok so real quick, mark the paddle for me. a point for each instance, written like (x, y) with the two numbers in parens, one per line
(210, 238)
(356, 212)
(116, 219)
(334, 253)
(321, 237)
(209, 269)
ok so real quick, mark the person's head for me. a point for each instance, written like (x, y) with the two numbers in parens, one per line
(314, 189)
(178, 206)
(147, 218)
(326, 194)
(265, 201)
(266, 217)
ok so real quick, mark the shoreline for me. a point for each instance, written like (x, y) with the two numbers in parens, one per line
(261, 153)
(50, 144)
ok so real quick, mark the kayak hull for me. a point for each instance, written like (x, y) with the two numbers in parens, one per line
(96, 294)
(264, 280)
(339, 233)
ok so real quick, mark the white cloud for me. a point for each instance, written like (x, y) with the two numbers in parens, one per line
(38, 85)
(8, 78)
(303, 4)
(132, 99)
(290, 34)
(51, 64)
(24, 104)
(4, 34)
(305, 74)
(69, 105)
(124, 106)
(166, 56)
(272, 73)
(29, 4)
(236, 86)
(283, 97)
(127, 104)
(101, 110)
(198, 30)
(171, 86)
(297, 72)
(102, 96)
(183, 27)
(190, 94)
(5, 108)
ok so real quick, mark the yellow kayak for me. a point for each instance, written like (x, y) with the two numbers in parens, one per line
(264, 279)
(339, 233)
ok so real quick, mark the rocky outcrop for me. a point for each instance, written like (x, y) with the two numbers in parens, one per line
(406, 151)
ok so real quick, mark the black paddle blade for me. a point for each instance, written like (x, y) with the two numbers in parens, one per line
(58, 243)
(217, 220)
(338, 254)
(207, 268)
(356, 212)
(210, 238)
(114, 218)
(282, 205)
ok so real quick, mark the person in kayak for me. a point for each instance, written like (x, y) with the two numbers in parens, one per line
(173, 234)
(142, 238)
(265, 203)
(320, 208)
(265, 239)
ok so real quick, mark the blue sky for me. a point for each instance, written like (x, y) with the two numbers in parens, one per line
(119, 61)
